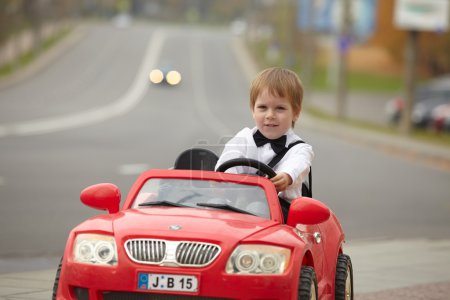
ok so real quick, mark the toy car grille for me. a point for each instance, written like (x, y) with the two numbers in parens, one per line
(170, 253)
(197, 254)
(150, 251)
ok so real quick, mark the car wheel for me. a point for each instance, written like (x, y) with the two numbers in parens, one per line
(344, 278)
(56, 283)
(307, 287)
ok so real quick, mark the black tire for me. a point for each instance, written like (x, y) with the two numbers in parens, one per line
(307, 286)
(56, 283)
(343, 289)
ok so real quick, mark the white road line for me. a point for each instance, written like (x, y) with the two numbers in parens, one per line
(121, 106)
(200, 98)
(246, 62)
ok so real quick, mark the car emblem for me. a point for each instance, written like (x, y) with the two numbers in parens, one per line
(174, 227)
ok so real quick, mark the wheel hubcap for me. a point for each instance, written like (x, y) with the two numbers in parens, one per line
(313, 291)
(348, 285)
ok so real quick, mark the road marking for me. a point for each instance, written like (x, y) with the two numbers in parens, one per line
(132, 169)
(245, 59)
(199, 90)
(99, 114)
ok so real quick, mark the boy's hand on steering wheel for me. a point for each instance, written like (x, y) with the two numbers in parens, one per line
(281, 181)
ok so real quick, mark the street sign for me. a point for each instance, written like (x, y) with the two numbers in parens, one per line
(422, 15)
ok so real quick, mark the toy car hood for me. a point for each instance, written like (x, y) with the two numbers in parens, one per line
(179, 223)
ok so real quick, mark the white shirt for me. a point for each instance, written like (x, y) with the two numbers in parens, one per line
(296, 162)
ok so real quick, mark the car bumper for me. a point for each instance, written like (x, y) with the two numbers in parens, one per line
(81, 281)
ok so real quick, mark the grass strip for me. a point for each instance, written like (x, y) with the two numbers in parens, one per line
(28, 57)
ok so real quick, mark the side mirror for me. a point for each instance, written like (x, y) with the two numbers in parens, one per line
(103, 196)
(307, 211)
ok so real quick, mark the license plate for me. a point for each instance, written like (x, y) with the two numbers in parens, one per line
(167, 282)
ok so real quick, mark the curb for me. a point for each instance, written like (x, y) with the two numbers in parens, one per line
(436, 156)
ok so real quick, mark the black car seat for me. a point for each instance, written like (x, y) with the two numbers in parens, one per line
(196, 159)
(204, 159)
(307, 186)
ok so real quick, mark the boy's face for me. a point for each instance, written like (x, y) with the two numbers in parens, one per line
(273, 115)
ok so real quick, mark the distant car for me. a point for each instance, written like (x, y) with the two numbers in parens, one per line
(427, 97)
(202, 234)
(441, 118)
(165, 75)
(422, 111)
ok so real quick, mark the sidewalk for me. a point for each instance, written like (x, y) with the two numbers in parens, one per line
(391, 269)
(29, 285)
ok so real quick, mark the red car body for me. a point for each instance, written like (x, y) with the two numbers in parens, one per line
(312, 235)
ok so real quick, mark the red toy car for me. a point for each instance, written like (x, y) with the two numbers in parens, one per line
(196, 234)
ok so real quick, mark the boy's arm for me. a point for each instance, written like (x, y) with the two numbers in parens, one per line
(296, 162)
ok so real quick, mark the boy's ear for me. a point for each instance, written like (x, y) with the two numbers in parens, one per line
(296, 116)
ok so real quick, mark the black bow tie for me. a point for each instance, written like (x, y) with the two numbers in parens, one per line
(278, 145)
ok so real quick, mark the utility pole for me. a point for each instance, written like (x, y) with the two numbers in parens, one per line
(308, 46)
(289, 36)
(343, 47)
(410, 80)
(415, 16)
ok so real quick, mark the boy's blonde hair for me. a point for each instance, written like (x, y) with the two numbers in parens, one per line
(279, 82)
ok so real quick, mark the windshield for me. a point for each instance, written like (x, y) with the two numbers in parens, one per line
(203, 194)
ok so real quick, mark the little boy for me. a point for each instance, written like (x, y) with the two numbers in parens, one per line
(276, 96)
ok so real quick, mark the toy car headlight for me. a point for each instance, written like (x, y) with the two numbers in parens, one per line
(156, 76)
(173, 77)
(95, 249)
(258, 260)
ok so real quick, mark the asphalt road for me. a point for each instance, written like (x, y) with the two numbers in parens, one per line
(91, 116)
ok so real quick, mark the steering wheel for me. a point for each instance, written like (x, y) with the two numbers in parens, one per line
(247, 162)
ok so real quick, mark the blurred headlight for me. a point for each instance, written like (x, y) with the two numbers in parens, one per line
(156, 76)
(258, 260)
(95, 249)
(173, 78)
